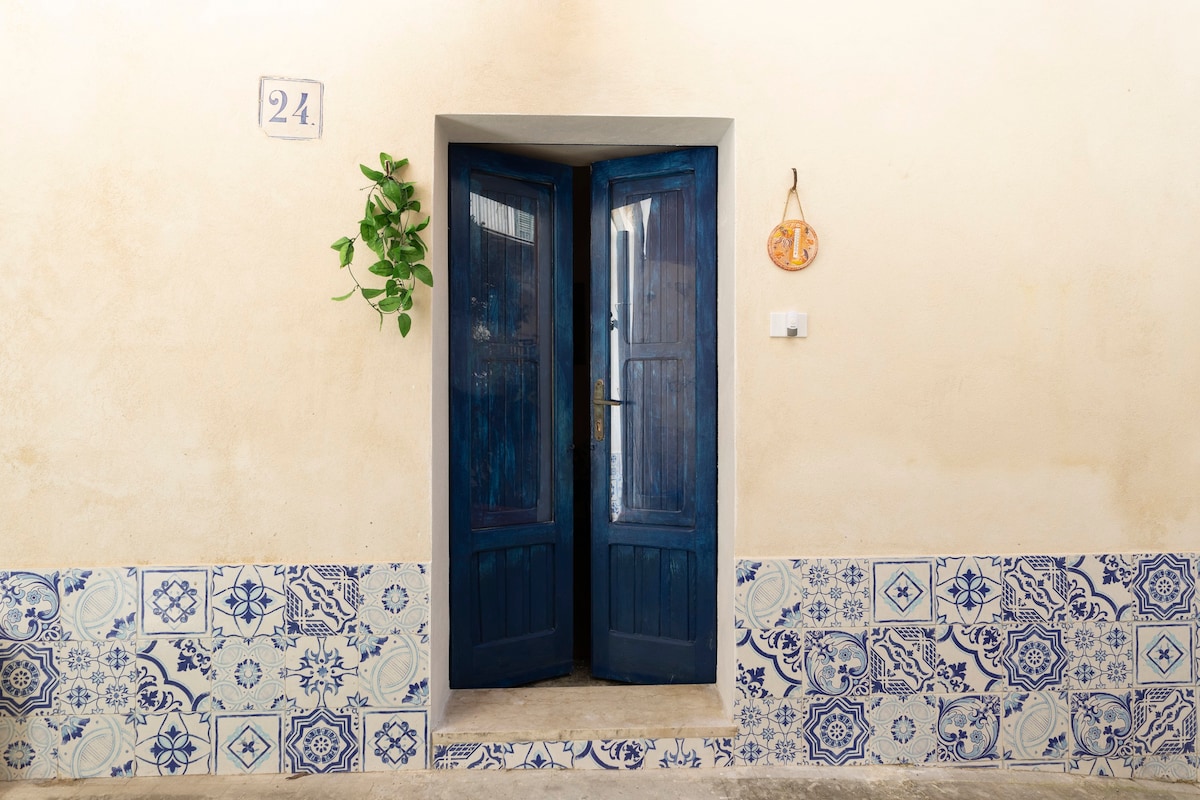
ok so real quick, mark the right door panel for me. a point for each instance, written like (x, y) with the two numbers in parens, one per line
(654, 417)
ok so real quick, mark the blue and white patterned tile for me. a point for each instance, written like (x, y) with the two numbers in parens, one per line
(834, 593)
(322, 740)
(1036, 726)
(1164, 587)
(248, 600)
(174, 675)
(472, 755)
(394, 599)
(1034, 657)
(968, 589)
(248, 673)
(770, 662)
(174, 744)
(1164, 653)
(968, 728)
(394, 670)
(903, 590)
(693, 753)
(100, 746)
(174, 601)
(1102, 767)
(1179, 768)
(770, 731)
(767, 595)
(28, 748)
(1036, 766)
(97, 678)
(99, 604)
(322, 672)
(610, 754)
(247, 743)
(836, 731)
(903, 659)
(30, 607)
(1099, 655)
(394, 740)
(29, 678)
(836, 662)
(322, 599)
(1101, 729)
(1164, 720)
(1034, 588)
(1097, 589)
(968, 658)
(902, 729)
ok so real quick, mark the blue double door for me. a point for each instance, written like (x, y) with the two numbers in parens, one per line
(582, 418)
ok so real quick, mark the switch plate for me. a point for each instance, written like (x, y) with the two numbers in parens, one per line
(781, 321)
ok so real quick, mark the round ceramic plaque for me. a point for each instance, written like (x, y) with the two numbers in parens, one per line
(792, 245)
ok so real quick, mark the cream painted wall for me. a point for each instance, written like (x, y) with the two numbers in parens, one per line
(1003, 349)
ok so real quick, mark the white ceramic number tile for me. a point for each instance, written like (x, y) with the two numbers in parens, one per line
(174, 601)
(290, 108)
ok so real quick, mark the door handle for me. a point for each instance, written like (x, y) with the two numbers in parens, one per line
(599, 401)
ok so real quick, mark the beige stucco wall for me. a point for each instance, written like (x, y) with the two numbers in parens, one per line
(1004, 353)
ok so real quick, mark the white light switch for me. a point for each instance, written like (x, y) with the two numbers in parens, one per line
(789, 324)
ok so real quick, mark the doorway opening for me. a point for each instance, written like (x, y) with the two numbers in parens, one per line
(583, 365)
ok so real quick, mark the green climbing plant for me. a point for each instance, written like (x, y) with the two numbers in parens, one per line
(388, 229)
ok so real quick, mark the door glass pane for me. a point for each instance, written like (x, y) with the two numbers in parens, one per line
(652, 360)
(510, 475)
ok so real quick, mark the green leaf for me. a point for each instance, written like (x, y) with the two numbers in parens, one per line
(377, 245)
(405, 323)
(392, 287)
(384, 158)
(423, 274)
(367, 232)
(389, 304)
(423, 225)
(402, 271)
(392, 191)
(374, 175)
(347, 254)
(343, 297)
(369, 294)
(339, 244)
(412, 205)
(406, 301)
(382, 268)
(401, 163)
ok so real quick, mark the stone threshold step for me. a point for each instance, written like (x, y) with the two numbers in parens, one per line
(578, 713)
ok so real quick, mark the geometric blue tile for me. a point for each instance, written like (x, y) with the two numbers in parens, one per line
(1101, 725)
(770, 731)
(174, 675)
(248, 600)
(28, 748)
(903, 591)
(394, 670)
(29, 606)
(968, 589)
(1099, 655)
(1164, 587)
(1097, 589)
(969, 658)
(836, 731)
(1034, 657)
(968, 728)
(97, 677)
(394, 598)
(174, 601)
(247, 743)
(1036, 726)
(322, 741)
(1035, 589)
(29, 679)
(1164, 720)
(99, 604)
(99, 746)
(903, 658)
(1164, 653)
(902, 729)
(767, 595)
(248, 673)
(174, 744)
(393, 740)
(322, 599)
(322, 671)
(770, 662)
(836, 663)
(834, 593)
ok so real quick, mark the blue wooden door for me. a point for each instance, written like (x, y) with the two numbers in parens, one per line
(654, 439)
(510, 419)
(651, 414)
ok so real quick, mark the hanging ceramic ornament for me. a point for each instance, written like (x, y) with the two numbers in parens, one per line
(793, 243)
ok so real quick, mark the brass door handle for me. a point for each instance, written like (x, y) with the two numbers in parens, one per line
(599, 401)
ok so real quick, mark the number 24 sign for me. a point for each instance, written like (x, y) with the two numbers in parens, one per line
(289, 108)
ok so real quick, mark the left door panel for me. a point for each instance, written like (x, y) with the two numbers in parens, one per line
(510, 419)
